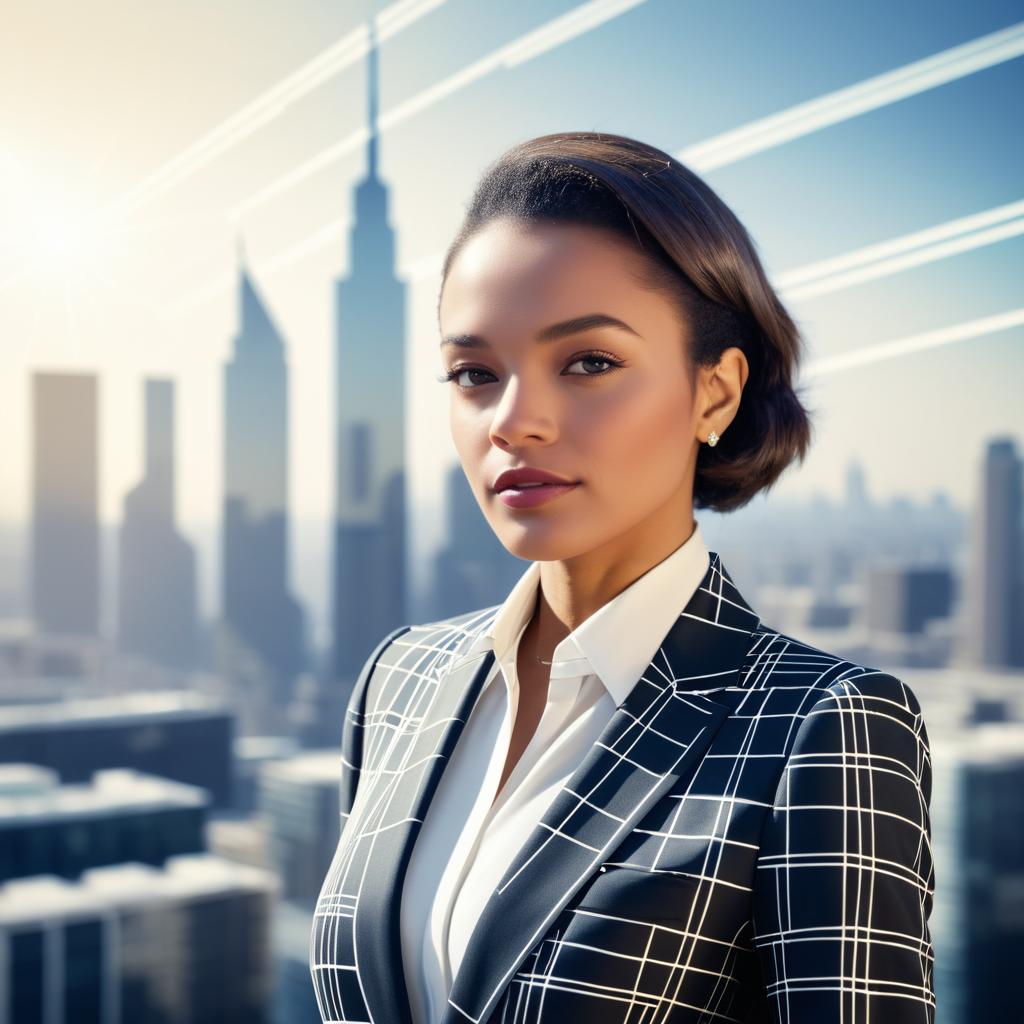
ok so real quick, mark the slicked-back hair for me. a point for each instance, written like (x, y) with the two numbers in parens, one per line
(694, 250)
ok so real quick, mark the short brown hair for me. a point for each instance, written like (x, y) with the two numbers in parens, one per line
(693, 249)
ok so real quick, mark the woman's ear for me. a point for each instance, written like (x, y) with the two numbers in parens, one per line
(719, 390)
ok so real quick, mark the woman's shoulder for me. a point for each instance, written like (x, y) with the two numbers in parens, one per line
(782, 660)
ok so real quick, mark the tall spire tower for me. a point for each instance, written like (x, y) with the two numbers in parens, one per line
(371, 97)
(369, 572)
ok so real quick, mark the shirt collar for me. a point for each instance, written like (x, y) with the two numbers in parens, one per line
(620, 639)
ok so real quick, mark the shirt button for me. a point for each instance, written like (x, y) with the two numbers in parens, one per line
(602, 867)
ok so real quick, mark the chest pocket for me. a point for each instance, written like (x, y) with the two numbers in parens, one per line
(634, 892)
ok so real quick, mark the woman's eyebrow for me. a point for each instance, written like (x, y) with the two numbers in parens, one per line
(553, 332)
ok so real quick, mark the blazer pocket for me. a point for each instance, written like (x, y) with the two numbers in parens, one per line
(624, 891)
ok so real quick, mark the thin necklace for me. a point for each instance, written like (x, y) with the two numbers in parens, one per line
(536, 602)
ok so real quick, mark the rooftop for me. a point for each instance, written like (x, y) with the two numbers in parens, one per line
(46, 898)
(29, 793)
(128, 708)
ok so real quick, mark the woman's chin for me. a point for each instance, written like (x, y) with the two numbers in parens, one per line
(542, 540)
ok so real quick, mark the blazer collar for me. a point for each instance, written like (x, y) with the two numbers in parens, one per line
(617, 641)
(654, 741)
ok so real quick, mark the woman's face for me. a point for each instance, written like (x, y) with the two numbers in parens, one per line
(607, 406)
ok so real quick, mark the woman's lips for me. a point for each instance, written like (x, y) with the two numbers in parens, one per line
(531, 496)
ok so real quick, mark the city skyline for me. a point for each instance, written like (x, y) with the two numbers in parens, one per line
(801, 198)
(906, 135)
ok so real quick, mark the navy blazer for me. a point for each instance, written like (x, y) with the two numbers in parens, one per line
(748, 840)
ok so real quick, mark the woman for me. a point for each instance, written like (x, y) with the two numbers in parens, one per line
(619, 796)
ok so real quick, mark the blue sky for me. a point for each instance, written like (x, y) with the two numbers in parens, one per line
(98, 97)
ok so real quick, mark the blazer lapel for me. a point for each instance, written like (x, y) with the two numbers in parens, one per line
(392, 814)
(653, 742)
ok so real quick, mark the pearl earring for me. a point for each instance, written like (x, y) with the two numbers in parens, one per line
(712, 439)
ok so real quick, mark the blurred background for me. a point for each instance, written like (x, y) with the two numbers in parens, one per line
(226, 471)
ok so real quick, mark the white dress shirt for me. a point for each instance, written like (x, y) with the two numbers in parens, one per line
(465, 845)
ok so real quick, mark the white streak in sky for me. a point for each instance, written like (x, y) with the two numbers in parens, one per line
(915, 343)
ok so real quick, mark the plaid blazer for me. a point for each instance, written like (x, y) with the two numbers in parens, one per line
(747, 840)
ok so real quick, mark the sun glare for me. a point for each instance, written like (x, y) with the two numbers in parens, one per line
(49, 226)
(58, 240)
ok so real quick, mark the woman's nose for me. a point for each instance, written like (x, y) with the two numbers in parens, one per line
(522, 413)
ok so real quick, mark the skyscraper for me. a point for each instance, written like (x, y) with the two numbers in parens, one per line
(157, 566)
(260, 616)
(369, 578)
(298, 802)
(65, 523)
(995, 575)
(857, 498)
(978, 923)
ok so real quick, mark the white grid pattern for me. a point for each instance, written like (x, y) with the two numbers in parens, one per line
(748, 841)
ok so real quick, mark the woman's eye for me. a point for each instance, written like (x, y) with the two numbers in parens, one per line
(456, 374)
(592, 359)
